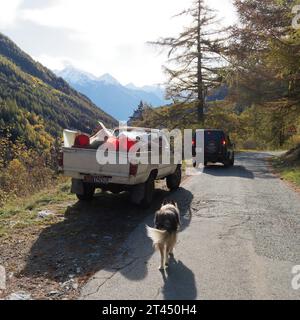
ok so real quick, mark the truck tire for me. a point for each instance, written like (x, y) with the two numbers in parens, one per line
(149, 188)
(174, 180)
(88, 192)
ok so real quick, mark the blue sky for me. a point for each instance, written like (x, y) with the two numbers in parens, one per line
(99, 36)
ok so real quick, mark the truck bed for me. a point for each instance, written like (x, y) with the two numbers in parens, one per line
(80, 163)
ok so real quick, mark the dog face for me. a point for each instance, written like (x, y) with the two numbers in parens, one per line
(168, 217)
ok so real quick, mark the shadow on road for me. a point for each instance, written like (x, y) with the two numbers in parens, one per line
(144, 249)
(179, 282)
(88, 238)
(236, 171)
(257, 166)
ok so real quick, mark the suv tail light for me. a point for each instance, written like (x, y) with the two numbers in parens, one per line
(82, 141)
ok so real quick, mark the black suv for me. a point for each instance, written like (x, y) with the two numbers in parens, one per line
(217, 146)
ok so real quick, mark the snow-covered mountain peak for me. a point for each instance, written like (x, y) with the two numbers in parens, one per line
(109, 79)
(74, 75)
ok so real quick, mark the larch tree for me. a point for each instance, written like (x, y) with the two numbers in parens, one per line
(264, 54)
(264, 50)
(194, 57)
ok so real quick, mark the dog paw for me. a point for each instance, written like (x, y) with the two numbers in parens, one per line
(163, 268)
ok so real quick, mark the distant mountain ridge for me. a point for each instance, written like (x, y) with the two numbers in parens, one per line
(114, 98)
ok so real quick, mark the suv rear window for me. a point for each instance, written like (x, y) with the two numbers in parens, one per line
(213, 135)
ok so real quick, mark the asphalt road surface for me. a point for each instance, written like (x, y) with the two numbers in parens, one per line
(240, 239)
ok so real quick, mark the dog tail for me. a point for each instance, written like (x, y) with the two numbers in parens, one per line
(157, 236)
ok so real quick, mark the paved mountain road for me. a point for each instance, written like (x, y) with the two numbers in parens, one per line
(240, 240)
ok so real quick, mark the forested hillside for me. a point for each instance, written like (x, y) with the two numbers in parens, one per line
(254, 128)
(35, 107)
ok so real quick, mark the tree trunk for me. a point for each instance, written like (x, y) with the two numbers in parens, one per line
(200, 101)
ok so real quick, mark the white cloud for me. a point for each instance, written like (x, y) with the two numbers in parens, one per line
(8, 12)
(54, 63)
(113, 33)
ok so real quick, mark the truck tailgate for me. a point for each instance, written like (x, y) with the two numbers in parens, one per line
(84, 161)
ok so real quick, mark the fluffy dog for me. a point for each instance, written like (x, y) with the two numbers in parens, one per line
(164, 236)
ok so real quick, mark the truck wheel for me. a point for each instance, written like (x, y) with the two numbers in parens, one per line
(149, 188)
(88, 192)
(174, 180)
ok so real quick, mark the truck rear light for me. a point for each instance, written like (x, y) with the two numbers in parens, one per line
(60, 159)
(193, 143)
(133, 169)
(82, 141)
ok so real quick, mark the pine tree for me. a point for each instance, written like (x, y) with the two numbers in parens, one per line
(139, 112)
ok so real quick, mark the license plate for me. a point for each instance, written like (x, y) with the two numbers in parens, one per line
(97, 179)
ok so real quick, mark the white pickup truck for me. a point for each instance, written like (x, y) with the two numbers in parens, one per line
(79, 161)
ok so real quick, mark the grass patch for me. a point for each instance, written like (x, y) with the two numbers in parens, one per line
(23, 213)
(288, 171)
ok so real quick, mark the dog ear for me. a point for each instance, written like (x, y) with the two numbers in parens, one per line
(165, 202)
(174, 203)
